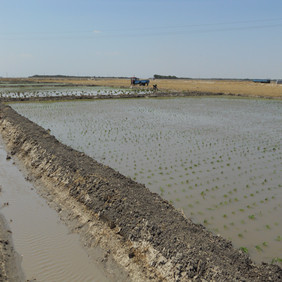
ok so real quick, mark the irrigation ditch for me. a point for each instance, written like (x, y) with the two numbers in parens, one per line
(10, 261)
(138, 230)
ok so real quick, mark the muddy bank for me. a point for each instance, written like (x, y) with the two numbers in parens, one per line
(110, 96)
(126, 96)
(137, 228)
(10, 269)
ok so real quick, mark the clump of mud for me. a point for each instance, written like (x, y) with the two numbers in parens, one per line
(153, 239)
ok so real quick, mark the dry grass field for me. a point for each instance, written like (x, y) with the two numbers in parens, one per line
(247, 88)
(244, 88)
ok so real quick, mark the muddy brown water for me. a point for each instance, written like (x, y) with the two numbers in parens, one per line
(48, 251)
(217, 159)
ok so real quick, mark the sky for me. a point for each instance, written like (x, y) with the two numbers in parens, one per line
(185, 38)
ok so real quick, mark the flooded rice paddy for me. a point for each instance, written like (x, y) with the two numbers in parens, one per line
(217, 159)
(48, 252)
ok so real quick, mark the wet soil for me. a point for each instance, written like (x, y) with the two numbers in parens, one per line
(10, 262)
(153, 239)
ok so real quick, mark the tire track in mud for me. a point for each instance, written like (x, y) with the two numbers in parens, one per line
(142, 232)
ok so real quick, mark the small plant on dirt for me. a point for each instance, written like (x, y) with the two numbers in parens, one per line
(252, 216)
(258, 248)
(244, 250)
(275, 260)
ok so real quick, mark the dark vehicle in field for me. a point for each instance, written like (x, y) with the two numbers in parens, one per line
(137, 81)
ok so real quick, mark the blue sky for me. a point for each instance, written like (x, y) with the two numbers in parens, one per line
(186, 38)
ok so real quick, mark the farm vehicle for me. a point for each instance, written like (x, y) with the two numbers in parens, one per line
(141, 82)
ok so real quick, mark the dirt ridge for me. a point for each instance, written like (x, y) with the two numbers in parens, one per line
(158, 94)
(161, 242)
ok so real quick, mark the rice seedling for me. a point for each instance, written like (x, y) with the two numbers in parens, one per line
(275, 260)
(244, 249)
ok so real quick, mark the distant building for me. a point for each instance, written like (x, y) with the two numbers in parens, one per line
(261, 80)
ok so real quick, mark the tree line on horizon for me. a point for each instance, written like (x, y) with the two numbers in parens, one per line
(156, 76)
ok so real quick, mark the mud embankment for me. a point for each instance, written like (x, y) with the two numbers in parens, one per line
(127, 96)
(110, 96)
(143, 233)
(157, 94)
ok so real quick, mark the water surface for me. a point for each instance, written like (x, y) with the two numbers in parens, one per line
(217, 159)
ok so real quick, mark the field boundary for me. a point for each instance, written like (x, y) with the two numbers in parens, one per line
(110, 96)
(158, 94)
